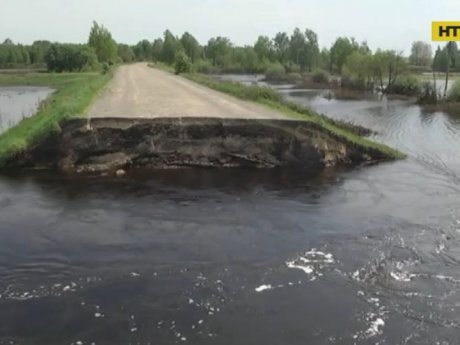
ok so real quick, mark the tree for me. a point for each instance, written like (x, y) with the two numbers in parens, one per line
(191, 46)
(421, 54)
(440, 60)
(171, 47)
(340, 50)
(183, 63)
(312, 49)
(143, 50)
(281, 45)
(246, 59)
(357, 71)
(264, 48)
(444, 59)
(126, 53)
(70, 58)
(157, 49)
(38, 51)
(388, 65)
(219, 50)
(297, 49)
(100, 39)
(325, 59)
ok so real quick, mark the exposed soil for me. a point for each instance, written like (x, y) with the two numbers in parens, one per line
(110, 144)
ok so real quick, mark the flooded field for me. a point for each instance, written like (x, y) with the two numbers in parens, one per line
(18, 103)
(362, 256)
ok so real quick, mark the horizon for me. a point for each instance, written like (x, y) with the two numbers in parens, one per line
(273, 16)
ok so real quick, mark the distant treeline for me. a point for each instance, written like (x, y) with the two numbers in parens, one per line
(100, 51)
(286, 55)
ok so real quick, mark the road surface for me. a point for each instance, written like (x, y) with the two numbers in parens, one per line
(140, 91)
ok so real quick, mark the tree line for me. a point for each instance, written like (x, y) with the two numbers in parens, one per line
(298, 51)
(284, 54)
(100, 51)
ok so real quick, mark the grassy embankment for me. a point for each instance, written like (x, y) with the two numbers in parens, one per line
(272, 99)
(74, 93)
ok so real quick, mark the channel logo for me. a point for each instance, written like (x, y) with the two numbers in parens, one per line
(446, 31)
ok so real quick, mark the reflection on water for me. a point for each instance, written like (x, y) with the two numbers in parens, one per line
(362, 256)
(17, 103)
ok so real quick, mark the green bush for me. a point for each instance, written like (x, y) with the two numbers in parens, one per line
(294, 77)
(105, 68)
(354, 83)
(408, 85)
(183, 64)
(292, 67)
(454, 92)
(205, 67)
(321, 76)
(428, 94)
(248, 93)
(70, 58)
(275, 71)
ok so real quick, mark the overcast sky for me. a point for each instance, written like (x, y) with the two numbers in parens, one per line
(383, 23)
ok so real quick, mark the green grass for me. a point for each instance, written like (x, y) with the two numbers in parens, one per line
(74, 93)
(162, 66)
(272, 99)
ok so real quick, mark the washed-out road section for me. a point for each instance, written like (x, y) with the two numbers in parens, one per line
(138, 91)
(149, 119)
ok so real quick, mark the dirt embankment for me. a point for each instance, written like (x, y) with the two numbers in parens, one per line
(107, 145)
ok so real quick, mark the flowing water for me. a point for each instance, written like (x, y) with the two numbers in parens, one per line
(369, 255)
(18, 103)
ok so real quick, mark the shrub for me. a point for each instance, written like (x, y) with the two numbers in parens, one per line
(292, 67)
(454, 92)
(205, 67)
(354, 83)
(183, 64)
(70, 58)
(105, 68)
(321, 76)
(246, 92)
(428, 94)
(407, 84)
(275, 71)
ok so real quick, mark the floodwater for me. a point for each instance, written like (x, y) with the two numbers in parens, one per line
(18, 103)
(369, 255)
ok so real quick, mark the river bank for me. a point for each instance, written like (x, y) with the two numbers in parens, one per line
(73, 93)
(108, 145)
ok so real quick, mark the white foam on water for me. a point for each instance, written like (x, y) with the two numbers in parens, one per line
(312, 262)
(440, 248)
(14, 292)
(306, 268)
(263, 288)
(402, 276)
(375, 328)
(447, 278)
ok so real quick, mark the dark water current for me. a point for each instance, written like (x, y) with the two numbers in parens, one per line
(369, 255)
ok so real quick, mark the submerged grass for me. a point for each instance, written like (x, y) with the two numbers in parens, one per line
(74, 93)
(270, 98)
